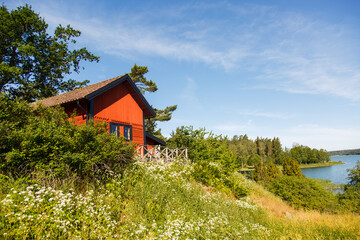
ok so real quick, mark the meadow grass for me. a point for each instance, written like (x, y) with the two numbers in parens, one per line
(160, 201)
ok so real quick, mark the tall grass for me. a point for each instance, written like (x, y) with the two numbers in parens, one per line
(160, 202)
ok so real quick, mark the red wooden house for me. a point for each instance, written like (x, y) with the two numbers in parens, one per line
(118, 101)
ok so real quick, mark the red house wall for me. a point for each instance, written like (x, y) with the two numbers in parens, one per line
(118, 106)
(75, 113)
(115, 105)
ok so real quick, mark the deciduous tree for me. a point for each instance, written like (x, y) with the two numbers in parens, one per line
(33, 63)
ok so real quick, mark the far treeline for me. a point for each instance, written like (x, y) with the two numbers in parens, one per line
(249, 152)
(345, 152)
(241, 151)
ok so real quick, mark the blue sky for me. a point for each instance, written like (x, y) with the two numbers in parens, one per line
(287, 69)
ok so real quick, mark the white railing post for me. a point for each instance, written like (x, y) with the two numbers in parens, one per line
(156, 153)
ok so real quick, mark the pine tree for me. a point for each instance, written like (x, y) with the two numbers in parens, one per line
(137, 75)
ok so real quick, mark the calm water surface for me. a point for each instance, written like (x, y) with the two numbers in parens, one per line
(337, 174)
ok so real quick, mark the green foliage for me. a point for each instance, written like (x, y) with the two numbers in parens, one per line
(47, 142)
(354, 176)
(350, 199)
(165, 204)
(351, 195)
(161, 116)
(211, 174)
(208, 173)
(291, 167)
(137, 75)
(305, 155)
(238, 184)
(39, 212)
(249, 152)
(152, 202)
(203, 147)
(304, 193)
(253, 160)
(33, 63)
(243, 149)
(266, 172)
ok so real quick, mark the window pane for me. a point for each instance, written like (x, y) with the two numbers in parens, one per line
(127, 133)
(114, 128)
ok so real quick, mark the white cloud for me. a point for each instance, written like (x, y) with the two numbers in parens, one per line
(286, 51)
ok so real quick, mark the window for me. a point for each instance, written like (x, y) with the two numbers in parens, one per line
(127, 133)
(116, 128)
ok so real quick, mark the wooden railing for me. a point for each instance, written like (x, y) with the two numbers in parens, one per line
(161, 153)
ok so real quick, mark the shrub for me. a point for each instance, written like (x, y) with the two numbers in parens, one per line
(203, 147)
(291, 167)
(303, 193)
(351, 196)
(238, 184)
(350, 199)
(354, 176)
(46, 142)
(208, 173)
(266, 172)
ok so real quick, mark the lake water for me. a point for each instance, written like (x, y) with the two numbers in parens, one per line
(337, 174)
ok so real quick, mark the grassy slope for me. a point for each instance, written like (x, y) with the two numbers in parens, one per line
(163, 202)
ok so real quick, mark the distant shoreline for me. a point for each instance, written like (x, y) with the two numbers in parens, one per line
(348, 152)
(324, 164)
(310, 165)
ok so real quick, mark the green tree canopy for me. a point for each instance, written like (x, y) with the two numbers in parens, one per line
(33, 63)
(137, 75)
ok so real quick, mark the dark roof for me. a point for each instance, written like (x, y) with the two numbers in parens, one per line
(158, 140)
(91, 91)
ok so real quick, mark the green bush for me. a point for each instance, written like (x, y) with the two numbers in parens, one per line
(238, 184)
(209, 174)
(291, 167)
(204, 147)
(351, 196)
(46, 142)
(350, 199)
(303, 193)
(266, 172)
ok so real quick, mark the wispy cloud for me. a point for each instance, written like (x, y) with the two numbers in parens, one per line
(257, 113)
(233, 129)
(285, 51)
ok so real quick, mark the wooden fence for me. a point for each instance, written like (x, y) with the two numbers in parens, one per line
(161, 153)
